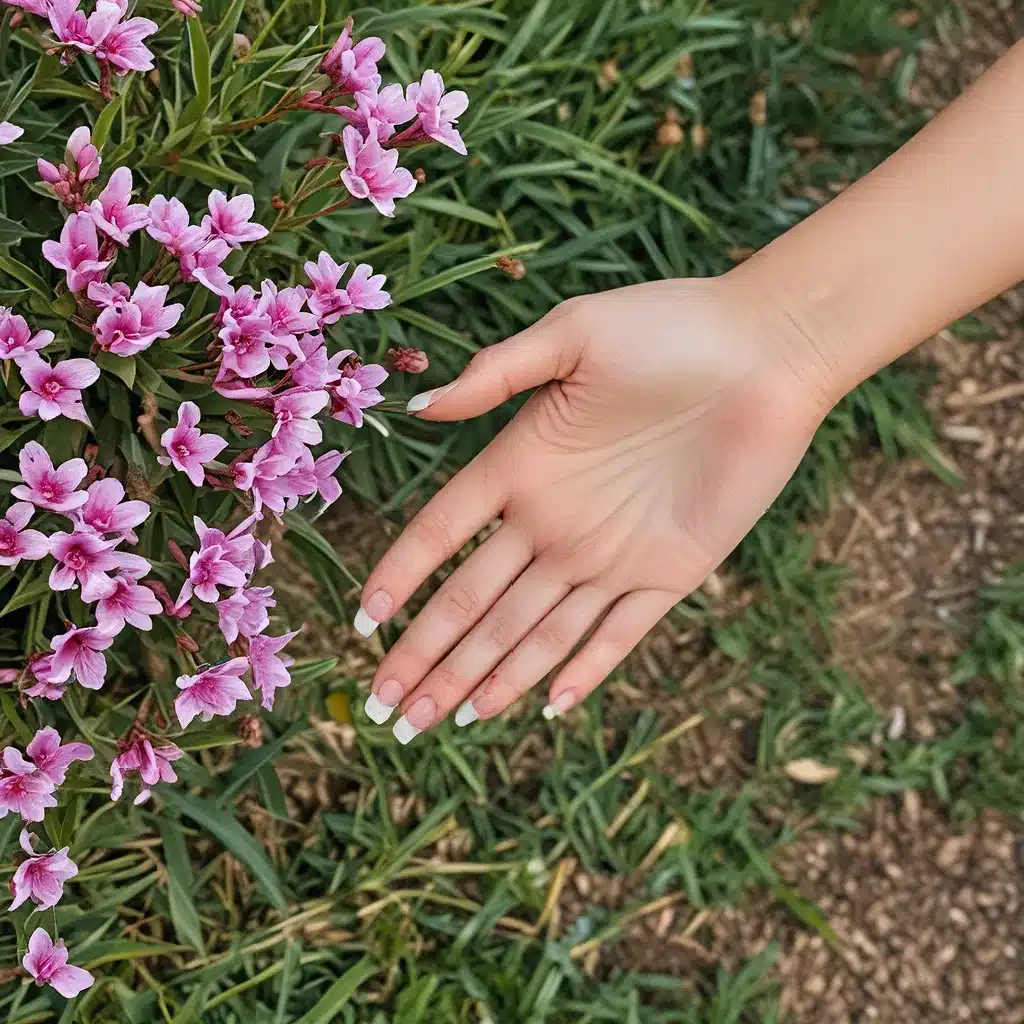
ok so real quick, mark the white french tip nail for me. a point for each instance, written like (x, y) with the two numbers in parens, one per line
(364, 625)
(376, 710)
(466, 715)
(423, 401)
(405, 731)
(550, 711)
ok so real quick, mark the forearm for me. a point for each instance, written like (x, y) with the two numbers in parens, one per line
(927, 236)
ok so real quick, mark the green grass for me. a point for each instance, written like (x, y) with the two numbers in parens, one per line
(363, 882)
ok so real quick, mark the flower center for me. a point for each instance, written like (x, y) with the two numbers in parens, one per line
(182, 451)
(52, 387)
(75, 559)
(50, 491)
(7, 542)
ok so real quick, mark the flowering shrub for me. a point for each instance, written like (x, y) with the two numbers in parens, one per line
(163, 419)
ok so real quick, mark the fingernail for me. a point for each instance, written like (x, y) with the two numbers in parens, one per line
(377, 710)
(558, 707)
(466, 715)
(423, 401)
(373, 613)
(419, 717)
(391, 691)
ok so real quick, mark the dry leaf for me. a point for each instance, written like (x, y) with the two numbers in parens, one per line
(811, 772)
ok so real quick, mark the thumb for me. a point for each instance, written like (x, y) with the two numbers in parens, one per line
(527, 360)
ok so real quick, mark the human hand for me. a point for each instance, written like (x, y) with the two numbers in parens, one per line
(668, 417)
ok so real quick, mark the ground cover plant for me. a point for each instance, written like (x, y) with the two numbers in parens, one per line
(301, 868)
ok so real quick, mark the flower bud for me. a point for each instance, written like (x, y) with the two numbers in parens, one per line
(317, 161)
(699, 137)
(278, 203)
(669, 131)
(96, 472)
(90, 452)
(16, 19)
(420, 175)
(758, 109)
(48, 172)
(609, 74)
(241, 46)
(240, 648)
(409, 360)
(186, 643)
(512, 268)
(177, 554)
(250, 729)
(8, 675)
(235, 422)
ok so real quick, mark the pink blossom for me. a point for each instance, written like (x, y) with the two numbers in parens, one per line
(245, 351)
(365, 290)
(169, 225)
(287, 321)
(48, 964)
(130, 603)
(187, 7)
(128, 326)
(214, 691)
(163, 595)
(122, 46)
(47, 487)
(71, 26)
(269, 667)
(188, 449)
(85, 155)
(324, 469)
(9, 133)
(152, 763)
(16, 339)
(261, 475)
(78, 252)
(9, 675)
(56, 390)
(85, 559)
(16, 542)
(37, 7)
(356, 391)
(105, 511)
(231, 219)
(315, 371)
(240, 546)
(204, 265)
(239, 390)
(23, 788)
(114, 212)
(373, 172)
(437, 112)
(223, 560)
(52, 757)
(353, 68)
(78, 651)
(245, 612)
(45, 686)
(387, 109)
(106, 294)
(41, 878)
(294, 424)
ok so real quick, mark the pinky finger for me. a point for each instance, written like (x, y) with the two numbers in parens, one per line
(628, 622)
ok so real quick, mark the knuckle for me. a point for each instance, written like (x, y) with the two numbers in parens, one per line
(549, 638)
(461, 601)
(501, 633)
(444, 678)
(432, 529)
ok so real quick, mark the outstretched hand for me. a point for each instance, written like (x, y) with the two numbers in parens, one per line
(667, 417)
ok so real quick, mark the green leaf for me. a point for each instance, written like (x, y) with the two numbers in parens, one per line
(29, 591)
(120, 366)
(105, 121)
(201, 73)
(180, 881)
(250, 763)
(235, 839)
(450, 208)
(454, 274)
(27, 276)
(25, 734)
(340, 993)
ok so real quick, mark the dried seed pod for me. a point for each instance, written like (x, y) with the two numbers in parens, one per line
(699, 137)
(670, 132)
(512, 268)
(758, 109)
(409, 360)
(609, 74)
(250, 730)
(241, 46)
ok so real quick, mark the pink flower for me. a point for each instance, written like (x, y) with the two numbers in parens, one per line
(245, 612)
(230, 219)
(373, 172)
(9, 133)
(85, 559)
(41, 667)
(188, 450)
(437, 112)
(214, 691)
(245, 351)
(315, 371)
(169, 225)
(52, 757)
(23, 788)
(41, 878)
(122, 46)
(85, 155)
(16, 340)
(187, 7)
(212, 566)
(129, 326)
(294, 425)
(78, 252)
(365, 290)
(131, 603)
(71, 26)
(204, 265)
(163, 595)
(330, 303)
(324, 469)
(47, 487)
(37, 7)
(114, 212)
(105, 512)
(387, 108)
(264, 475)
(78, 651)
(16, 542)
(269, 668)
(48, 964)
(152, 763)
(287, 320)
(353, 68)
(56, 390)
(356, 391)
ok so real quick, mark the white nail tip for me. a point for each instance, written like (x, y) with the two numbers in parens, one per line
(376, 710)
(551, 711)
(466, 715)
(419, 402)
(405, 731)
(364, 625)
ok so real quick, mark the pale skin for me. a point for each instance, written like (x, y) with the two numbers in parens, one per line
(667, 417)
